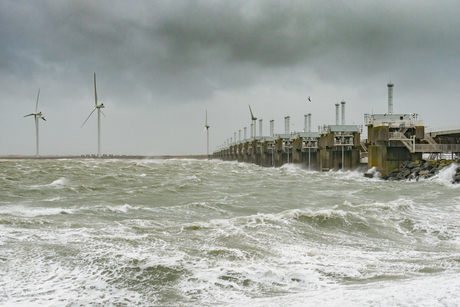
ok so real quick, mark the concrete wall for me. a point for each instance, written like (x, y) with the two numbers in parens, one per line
(326, 141)
(387, 156)
(376, 134)
(297, 151)
(266, 155)
(331, 159)
(420, 132)
(314, 161)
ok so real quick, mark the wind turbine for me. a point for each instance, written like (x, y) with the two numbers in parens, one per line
(254, 119)
(36, 115)
(206, 126)
(99, 111)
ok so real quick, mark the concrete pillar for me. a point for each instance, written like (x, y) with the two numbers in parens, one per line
(246, 152)
(240, 152)
(297, 150)
(255, 157)
(278, 153)
(260, 127)
(265, 155)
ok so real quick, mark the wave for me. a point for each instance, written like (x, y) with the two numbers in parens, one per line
(226, 233)
(59, 182)
(120, 209)
(400, 204)
(24, 211)
(445, 177)
(402, 292)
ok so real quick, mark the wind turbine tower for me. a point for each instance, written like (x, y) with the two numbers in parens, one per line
(99, 111)
(206, 126)
(254, 120)
(37, 115)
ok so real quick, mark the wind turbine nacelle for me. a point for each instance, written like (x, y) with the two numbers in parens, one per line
(101, 106)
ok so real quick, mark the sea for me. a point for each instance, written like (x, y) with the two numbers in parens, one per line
(184, 232)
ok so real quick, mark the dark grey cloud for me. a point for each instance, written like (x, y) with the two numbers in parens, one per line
(175, 48)
(217, 54)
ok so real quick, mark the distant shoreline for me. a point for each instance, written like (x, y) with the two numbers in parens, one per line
(103, 157)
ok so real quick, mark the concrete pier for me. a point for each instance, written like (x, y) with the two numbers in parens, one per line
(333, 149)
(392, 140)
(339, 147)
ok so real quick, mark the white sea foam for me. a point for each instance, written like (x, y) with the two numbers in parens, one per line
(24, 211)
(60, 285)
(394, 205)
(375, 172)
(122, 208)
(446, 176)
(57, 198)
(243, 235)
(438, 290)
(59, 182)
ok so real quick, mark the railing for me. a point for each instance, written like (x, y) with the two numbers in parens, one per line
(412, 121)
(443, 128)
(432, 147)
(429, 139)
(346, 142)
(395, 124)
(398, 136)
(310, 144)
(445, 148)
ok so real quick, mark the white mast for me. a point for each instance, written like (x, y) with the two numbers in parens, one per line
(37, 115)
(99, 111)
(390, 98)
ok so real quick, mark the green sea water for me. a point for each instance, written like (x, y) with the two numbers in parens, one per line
(212, 233)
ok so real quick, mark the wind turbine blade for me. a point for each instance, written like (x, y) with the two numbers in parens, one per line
(88, 117)
(206, 123)
(43, 118)
(95, 92)
(29, 114)
(36, 105)
(203, 131)
(103, 113)
(250, 110)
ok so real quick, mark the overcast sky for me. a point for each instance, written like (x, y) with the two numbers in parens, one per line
(161, 64)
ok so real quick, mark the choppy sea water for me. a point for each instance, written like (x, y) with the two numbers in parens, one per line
(213, 233)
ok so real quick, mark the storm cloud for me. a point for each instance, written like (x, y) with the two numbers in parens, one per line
(161, 64)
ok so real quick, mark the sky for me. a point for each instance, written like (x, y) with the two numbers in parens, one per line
(161, 65)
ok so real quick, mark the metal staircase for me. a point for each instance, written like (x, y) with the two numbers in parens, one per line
(399, 136)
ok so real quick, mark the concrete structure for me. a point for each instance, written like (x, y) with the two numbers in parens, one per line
(305, 149)
(392, 139)
(395, 138)
(339, 147)
(274, 150)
